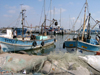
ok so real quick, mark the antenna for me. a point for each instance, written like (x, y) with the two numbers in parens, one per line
(44, 9)
(54, 13)
(21, 6)
(50, 10)
(60, 16)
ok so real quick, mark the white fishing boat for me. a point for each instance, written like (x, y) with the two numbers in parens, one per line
(8, 43)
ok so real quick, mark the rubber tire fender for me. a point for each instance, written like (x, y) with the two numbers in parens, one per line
(55, 40)
(34, 44)
(42, 43)
(63, 45)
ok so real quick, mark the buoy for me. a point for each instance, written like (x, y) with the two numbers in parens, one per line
(97, 53)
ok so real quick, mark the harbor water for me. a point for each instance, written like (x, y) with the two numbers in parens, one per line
(56, 52)
(56, 47)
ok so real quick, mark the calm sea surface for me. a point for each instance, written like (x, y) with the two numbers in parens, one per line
(57, 46)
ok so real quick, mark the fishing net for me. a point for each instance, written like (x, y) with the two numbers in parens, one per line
(64, 62)
(65, 58)
(54, 63)
(18, 62)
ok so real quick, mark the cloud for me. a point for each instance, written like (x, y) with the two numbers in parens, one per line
(78, 21)
(73, 21)
(13, 7)
(26, 7)
(57, 11)
(12, 11)
(70, 3)
(98, 12)
(7, 16)
(73, 18)
(63, 10)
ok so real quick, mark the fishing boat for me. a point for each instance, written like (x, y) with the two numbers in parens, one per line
(83, 43)
(8, 43)
(55, 30)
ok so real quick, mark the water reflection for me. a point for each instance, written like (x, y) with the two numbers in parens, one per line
(42, 51)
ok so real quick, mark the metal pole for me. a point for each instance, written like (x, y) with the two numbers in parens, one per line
(23, 24)
(60, 16)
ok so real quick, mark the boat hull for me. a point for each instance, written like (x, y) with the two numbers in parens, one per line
(79, 51)
(88, 46)
(81, 47)
(18, 45)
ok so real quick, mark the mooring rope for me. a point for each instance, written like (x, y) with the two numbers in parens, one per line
(41, 66)
(59, 68)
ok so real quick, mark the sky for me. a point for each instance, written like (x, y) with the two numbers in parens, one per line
(64, 11)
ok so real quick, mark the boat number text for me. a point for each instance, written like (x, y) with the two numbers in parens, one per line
(11, 41)
(84, 47)
(71, 45)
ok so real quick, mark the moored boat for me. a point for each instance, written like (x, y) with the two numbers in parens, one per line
(83, 43)
(8, 43)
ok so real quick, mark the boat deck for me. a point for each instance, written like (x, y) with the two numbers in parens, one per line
(25, 38)
(28, 38)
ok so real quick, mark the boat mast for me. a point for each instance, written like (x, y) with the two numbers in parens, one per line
(60, 17)
(45, 25)
(44, 19)
(44, 9)
(54, 13)
(50, 10)
(84, 20)
(23, 18)
(88, 28)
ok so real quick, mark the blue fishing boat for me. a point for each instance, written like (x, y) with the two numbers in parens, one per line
(83, 43)
(8, 43)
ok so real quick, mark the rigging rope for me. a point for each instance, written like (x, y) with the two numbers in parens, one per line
(78, 15)
(87, 8)
(82, 25)
(15, 20)
(48, 9)
(27, 23)
(95, 22)
(41, 15)
(76, 19)
(12, 22)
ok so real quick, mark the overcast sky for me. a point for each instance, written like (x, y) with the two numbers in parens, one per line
(70, 9)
